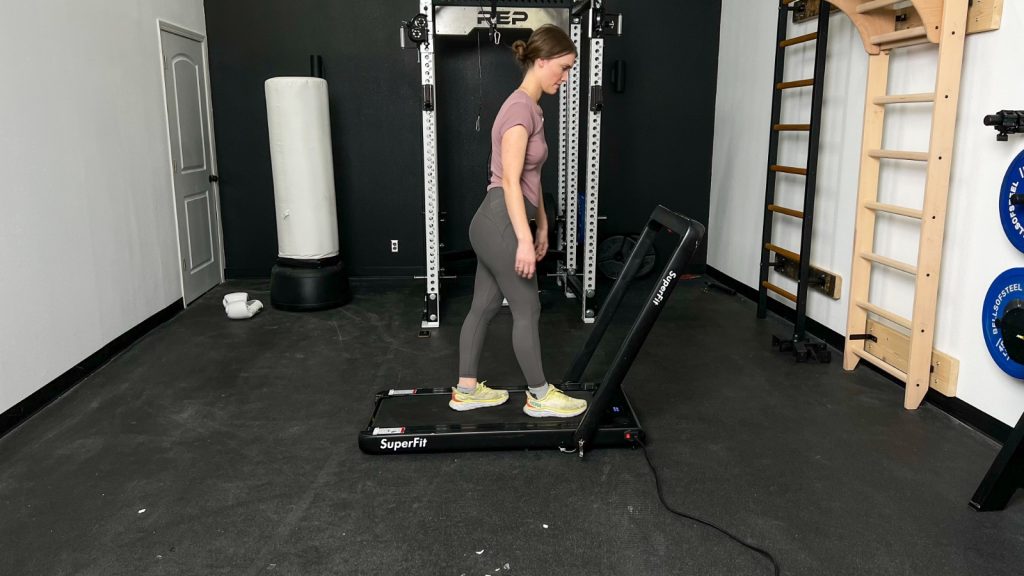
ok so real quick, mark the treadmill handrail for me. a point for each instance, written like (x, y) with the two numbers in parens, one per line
(691, 233)
(661, 217)
(675, 221)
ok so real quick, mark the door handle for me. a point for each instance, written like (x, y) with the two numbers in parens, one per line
(214, 178)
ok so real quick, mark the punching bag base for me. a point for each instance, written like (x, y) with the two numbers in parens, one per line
(304, 289)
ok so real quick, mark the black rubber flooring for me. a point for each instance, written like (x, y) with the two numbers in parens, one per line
(222, 447)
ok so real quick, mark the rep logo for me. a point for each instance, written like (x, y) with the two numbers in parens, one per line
(505, 17)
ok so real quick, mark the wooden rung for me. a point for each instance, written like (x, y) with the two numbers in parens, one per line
(905, 43)
(908, 34)
(902, 266)
(799, 39)
(894, 318)
(894, 372)
(875, 5)
(786, 253)
(899, 155)
(791, 127)
(893, 209)
(788, 169)
(786, 211)
(795, 84)
(905, 98)
(785, 294)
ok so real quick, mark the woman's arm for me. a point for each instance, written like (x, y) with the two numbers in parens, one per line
(513, 156)
(541, 242)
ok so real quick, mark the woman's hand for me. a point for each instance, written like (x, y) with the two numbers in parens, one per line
(540, 245)
(526, 259)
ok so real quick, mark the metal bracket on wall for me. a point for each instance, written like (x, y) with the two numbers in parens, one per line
(893, 346)
(807, 10)
(982, 16)
(828, 283)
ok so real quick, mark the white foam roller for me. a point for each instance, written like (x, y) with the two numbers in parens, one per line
(300, 154)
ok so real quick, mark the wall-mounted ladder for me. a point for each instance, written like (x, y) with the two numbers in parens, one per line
(944, 24)
(771, 254)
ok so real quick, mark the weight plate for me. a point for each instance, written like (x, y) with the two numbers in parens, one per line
(1002, 320)
(1012, 215)
(613, 252)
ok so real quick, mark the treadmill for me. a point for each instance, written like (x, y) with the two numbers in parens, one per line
(419, 420)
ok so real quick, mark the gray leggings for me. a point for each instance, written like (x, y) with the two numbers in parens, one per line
(494, 241)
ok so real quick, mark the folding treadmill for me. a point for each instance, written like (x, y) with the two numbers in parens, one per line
(419, 420)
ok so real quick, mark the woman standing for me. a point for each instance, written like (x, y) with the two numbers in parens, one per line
(507, 253)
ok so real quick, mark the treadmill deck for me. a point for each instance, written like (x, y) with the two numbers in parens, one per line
(420, 420)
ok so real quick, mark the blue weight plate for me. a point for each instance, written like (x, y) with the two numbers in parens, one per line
(1003, 310)
(1012, 215)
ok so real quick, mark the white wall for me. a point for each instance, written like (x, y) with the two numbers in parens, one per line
(975, 251)
(88, 247)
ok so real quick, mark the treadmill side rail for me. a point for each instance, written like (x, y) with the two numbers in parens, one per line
(455, 441)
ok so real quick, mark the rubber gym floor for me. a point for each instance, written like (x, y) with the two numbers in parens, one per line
(229, 447)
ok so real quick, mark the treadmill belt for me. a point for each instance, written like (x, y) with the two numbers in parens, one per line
(433, 410)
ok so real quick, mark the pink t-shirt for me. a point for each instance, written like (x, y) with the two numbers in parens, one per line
(520, 109)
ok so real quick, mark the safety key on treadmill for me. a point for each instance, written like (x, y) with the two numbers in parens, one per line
(386, 431)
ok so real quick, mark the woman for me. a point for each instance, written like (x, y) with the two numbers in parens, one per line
(507, 254)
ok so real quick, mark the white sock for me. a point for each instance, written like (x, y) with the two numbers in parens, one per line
(540, 391)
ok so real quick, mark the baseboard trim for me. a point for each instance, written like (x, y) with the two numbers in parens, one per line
(21, 411)
(815, 328)
(955, 407)
(247, 273)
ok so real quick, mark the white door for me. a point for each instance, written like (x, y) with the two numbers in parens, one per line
(195, 198)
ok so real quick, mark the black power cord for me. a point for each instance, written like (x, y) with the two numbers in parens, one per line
(661, 496)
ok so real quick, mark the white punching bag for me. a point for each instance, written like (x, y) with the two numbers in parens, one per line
(309, 274)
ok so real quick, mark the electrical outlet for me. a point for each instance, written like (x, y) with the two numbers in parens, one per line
(394, 245)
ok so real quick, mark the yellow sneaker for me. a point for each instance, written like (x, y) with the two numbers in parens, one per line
(555, 403)
(480, 397)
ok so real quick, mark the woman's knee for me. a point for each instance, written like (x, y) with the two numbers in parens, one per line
(526, 308)
(485, 309)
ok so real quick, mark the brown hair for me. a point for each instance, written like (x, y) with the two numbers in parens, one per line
(548, 41)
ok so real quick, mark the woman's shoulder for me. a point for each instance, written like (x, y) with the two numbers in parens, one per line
(519, 99)
(512, 99)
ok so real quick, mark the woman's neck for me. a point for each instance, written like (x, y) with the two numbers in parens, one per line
(531, 87)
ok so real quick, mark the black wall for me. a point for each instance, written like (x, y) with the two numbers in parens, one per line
(656, 136)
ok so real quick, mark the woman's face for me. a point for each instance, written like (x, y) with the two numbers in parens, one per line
(554, 72)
